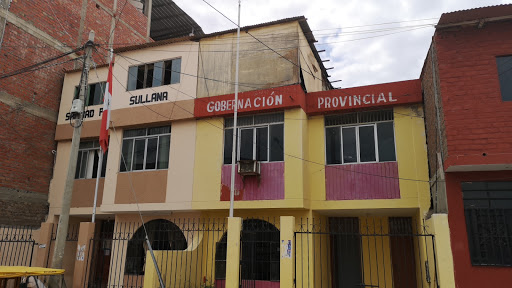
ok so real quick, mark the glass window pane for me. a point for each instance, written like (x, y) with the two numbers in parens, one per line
(158, 73)
(228, 145)
(134, 133)
(333, 145)
(505, 76)
(386, 141)
(349, 145)
(138, 158)
(262, 144)
(151, 153)
(149, 75)
(246, 144)
(78, 164)
(104, 164)
(83, 166)
(127, 155)
(76, 92)
(159, 130)
(89, 96)
(86, 144)
(99, 91)
(96, 155)
(141, 71)
(367, 144)
(164, 144)
(176, 71)
(132, 78)
(277, 142)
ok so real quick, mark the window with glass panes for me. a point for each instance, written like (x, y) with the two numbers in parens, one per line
(261, 138)
(88, 160)
(154, 74)
(94, 93)
(146, 149)
(360, 137)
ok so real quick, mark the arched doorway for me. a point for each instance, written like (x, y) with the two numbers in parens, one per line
(162, 234)
(259, 255)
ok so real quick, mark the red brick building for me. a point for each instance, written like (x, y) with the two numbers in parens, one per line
(467, 86)
(33, 31)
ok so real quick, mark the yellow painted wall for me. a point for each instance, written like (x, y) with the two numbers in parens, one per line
(208, 162)
(411, 157)
(295, 136)
(411, 154)
(315, 168)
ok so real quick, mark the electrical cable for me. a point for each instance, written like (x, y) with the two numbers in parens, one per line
(284, 154)
(28, 68)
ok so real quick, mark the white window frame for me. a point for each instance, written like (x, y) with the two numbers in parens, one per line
(146, 138)
(254, 149)
(89, 166)
(146, 74)
(358, 146)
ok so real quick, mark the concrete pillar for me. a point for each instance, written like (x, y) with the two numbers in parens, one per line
(445, 269)
(233, 253)
(44, 241)
(83, 252)
(287, 251)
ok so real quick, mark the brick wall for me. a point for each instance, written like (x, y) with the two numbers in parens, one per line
(432, 108)
(477, 121)
(26, 139)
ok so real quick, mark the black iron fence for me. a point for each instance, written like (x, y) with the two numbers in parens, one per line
(185, 251)
(364, 252)
(16, 246)
(259, 253)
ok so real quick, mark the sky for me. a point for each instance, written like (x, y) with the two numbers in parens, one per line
(359, 45)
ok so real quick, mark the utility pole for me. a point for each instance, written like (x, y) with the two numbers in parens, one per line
(76, 112)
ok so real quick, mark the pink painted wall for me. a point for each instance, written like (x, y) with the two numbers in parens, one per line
(358, 181)
(268, 186)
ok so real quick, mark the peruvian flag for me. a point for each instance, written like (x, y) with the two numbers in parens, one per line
(105, 119)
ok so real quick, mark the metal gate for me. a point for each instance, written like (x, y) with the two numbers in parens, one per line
(350, 252)
(259, 254)
(16, 246)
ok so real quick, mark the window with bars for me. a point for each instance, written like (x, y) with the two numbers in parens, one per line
(360, 137)
(154, 74)
(260, 137)
(146, 149)
(88, 160)
(488, 211)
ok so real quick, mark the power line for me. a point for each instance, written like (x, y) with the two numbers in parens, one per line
(36, 66)
(285, 154)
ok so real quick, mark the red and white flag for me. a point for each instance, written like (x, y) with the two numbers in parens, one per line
(105, 119)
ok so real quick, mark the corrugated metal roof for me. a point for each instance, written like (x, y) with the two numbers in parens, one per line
(475, 14)
(170, 21)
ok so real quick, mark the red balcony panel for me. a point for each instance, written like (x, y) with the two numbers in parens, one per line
(362, 181)
(268, 186)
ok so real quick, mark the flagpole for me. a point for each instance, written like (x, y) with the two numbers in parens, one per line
(235, 136)
(98, 175)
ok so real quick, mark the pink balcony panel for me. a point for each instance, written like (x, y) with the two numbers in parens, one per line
(268, 186)
(362, 181)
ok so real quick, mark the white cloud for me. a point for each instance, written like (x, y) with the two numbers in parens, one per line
(374, 60)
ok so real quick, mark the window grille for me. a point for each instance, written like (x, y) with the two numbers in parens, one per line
(359, 117)
(488, 211)
(255, 120)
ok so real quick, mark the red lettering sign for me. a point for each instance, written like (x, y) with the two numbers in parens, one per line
(404, 92)
(259, 100)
